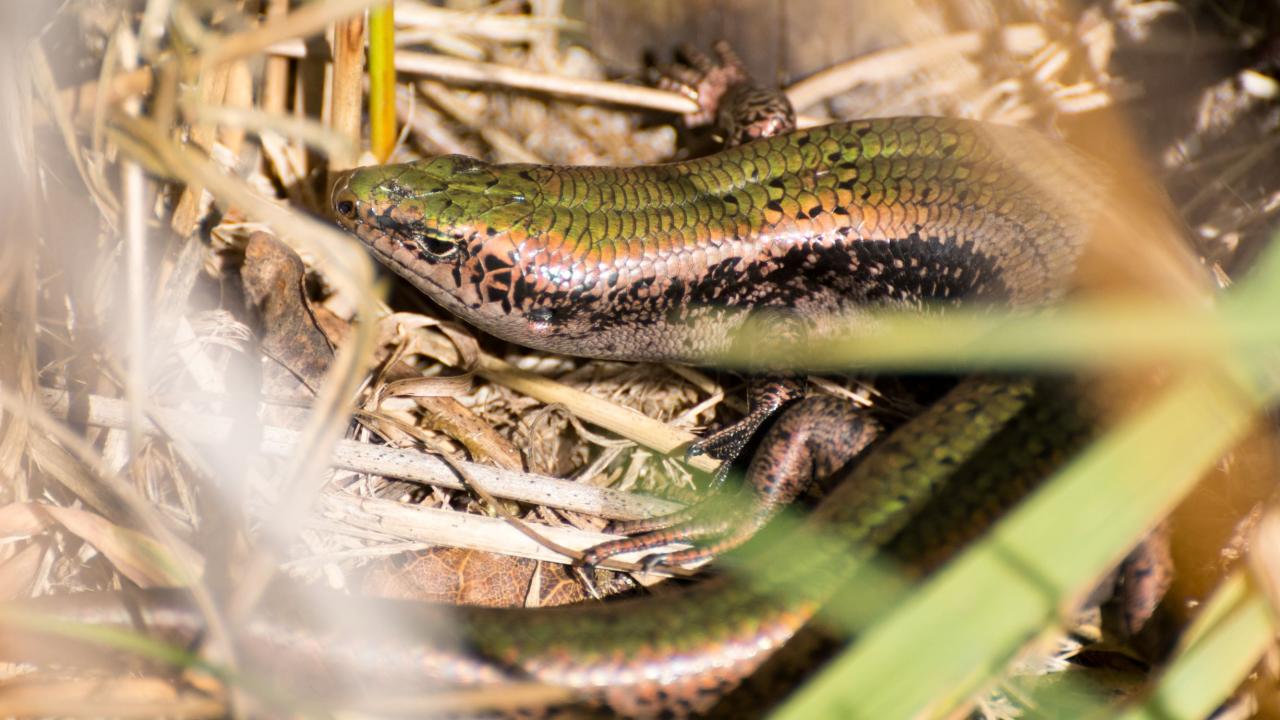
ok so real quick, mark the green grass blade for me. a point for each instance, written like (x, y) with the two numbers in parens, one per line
(1076, 336)
(131, 642)
(964, 625)
(1215, 664)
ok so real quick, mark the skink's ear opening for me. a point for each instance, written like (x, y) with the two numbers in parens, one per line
(436, 244)
(345, 204)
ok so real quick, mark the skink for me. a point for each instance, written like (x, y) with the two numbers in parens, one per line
(804, 231)
(809, 229)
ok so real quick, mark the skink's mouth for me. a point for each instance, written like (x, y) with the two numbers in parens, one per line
(384, 246)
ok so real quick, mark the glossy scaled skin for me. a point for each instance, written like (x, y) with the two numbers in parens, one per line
(664, 262)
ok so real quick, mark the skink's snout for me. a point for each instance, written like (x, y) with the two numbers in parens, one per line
(343, 202)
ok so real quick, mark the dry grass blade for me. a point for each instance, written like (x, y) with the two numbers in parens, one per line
(19, 573)
(352, 273)
(336, 254)
(340, 147)
(137, 557)
(308, 19)
(346, 84)
(18, 260)
(906, 60)
(454, 529)
(123, 698)
(134, 201)
(389, 462)
(464, 71)
(624, 421)
(120, 492)
(491, 26)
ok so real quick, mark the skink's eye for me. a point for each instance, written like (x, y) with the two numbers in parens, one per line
(437, 246)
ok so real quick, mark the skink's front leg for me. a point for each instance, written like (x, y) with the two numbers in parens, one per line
(783, 329)
(766, 395)
(742, 111)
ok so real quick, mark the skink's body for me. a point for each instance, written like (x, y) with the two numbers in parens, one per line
(665, 263)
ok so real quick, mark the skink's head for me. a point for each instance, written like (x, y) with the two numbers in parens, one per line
(433, 208)
(461, 230)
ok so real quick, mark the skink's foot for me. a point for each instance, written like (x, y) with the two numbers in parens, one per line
(766, 395)
(1145, 577)
(704, 80)
(812, 439)
(727, 96)
(706, 525)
